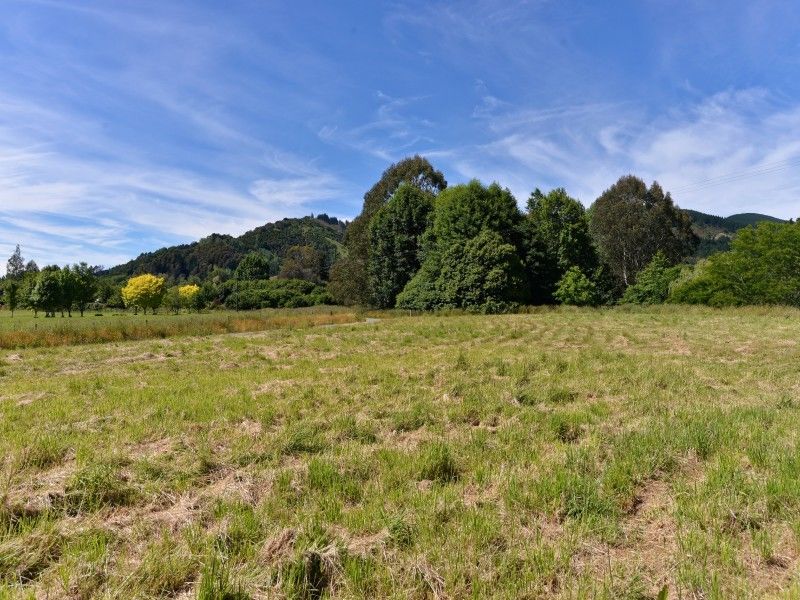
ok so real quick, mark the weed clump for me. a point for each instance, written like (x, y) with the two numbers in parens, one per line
(303, 439)
(437, 464)
(216, 582)
(96, 487)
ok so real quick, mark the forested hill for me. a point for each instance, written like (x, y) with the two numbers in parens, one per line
(224, 251)
(715, 232)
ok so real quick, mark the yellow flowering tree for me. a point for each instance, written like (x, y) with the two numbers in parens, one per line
(144, 291)
(188, 294)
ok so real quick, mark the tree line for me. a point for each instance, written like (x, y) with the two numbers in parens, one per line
(420, 244)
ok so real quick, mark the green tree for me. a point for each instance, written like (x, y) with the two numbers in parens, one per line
(630, 223)
(396, 242)
(69, 290)
(556, 233)
(15, 267)
(46, 292)
(12, 295)
(349, 277)
(302, 262)
(479, 227)
(577, 289)
(254, 266)
(653, 282)
(172, 300)
(85, 282)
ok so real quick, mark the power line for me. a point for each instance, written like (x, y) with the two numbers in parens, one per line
(766, 169)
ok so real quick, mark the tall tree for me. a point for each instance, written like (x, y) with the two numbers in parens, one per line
(349, 278)
(85, 285)
(12, 295)
(69, 290)
(396, 242)
(15, 267)
(630, 223)
(556, 233)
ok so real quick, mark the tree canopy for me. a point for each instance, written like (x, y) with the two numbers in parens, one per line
(630, 223)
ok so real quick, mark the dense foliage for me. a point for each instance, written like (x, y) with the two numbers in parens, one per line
(396, 235)
(762, 267)
(471, 254)
(273, 293)
(350, 281)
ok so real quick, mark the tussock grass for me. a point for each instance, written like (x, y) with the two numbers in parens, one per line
(562, 453)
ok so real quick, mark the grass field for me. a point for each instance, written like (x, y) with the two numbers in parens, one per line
(558, 454)
(25, 330)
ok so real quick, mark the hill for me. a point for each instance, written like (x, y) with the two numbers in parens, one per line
(716, 232)
(224, 251)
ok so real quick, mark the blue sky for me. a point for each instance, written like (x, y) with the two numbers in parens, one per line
(129, 125)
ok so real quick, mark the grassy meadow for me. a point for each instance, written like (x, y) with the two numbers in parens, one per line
(26, 330)
(557, 454)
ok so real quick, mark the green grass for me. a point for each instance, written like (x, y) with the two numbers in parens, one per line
(557, 454)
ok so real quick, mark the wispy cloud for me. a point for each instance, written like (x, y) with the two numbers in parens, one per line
(392, 132)
(730, 152)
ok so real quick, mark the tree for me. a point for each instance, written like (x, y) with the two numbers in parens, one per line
(31, 267)
(577, 289)
(349, 276)
(630, 223)
(144, 291)
(473, 242)
(653, 282)
(302, 262)
(69, 290)
(12, 295)
(46, 293)
(15, 267)
(85, 285)
(557, 237)
(172, 300)
(396, 242)
(256, 265)
(189, 295)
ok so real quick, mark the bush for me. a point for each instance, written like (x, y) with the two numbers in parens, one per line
(576, 289)
(273, 293)
(652, 283)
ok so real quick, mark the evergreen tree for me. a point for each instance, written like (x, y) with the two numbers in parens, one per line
(349, 277)
(396, 242)
(15, 267)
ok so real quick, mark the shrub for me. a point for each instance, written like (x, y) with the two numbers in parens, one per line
(653, 282)
(576, 289)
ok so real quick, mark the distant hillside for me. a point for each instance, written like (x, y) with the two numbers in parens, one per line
(716, 232)
(200, 258)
